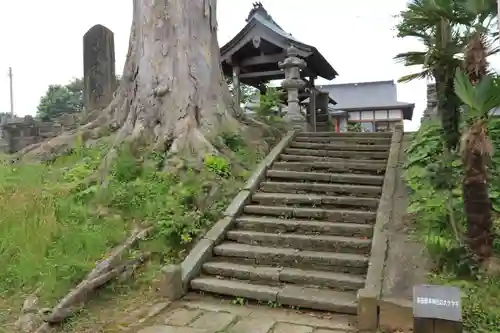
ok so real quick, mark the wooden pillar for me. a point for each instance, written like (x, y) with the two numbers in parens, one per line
(236, 83)
(312, 104)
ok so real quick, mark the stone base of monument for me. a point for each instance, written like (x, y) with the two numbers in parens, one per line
(395, 315)
(298, 123)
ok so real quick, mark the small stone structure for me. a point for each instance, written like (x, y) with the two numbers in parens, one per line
(98, 67)
(18, 133)
(292, 66)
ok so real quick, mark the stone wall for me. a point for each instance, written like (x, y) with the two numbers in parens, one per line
(17, 133)
(430, 111)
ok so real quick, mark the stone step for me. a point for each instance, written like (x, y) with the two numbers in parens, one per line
(339, 146)
(308, 158)
(301, 241)
(308, 227)
(266, 198)
(331, 189)
(342, 178)
(342, 166)
(333, 215)
(312, 298)
(346, 134)
(337, 281)
(345, 140)
(375, 155)
(286, 257)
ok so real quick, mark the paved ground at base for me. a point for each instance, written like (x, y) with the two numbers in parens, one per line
(204, 314)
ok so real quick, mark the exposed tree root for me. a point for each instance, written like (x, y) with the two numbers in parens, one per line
(111, 268)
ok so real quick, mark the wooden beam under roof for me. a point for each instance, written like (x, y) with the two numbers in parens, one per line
(270, 75)
(263, 59)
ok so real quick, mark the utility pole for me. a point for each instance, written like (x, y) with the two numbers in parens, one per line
(11, 94)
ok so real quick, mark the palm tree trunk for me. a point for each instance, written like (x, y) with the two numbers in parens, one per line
(477, 202)
(448, 103)
(448, 106)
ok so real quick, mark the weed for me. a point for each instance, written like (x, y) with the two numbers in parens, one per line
(273, 304)
(239, 301)
(56, 225)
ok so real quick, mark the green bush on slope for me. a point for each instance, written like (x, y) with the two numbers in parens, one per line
(55, 226)
(439, 220)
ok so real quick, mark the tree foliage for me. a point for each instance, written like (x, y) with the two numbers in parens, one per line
(439, 219)
(246, 91)
(61, 99)
(455, 198)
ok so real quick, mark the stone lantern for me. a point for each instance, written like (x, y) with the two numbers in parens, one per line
(292, 84)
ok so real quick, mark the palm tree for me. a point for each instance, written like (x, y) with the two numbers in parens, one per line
(438, 28)
(480, 94)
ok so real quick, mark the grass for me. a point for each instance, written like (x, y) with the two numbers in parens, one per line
(56, 226)
(480, 297)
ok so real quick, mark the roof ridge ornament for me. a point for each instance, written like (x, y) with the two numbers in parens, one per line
(258, 7)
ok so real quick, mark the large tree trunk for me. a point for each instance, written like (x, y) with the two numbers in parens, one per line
(172, 81)
(476, 147)
(172, 92)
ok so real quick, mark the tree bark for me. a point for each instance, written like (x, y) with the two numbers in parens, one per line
(172, 92)
(172, 88)
(476, 147)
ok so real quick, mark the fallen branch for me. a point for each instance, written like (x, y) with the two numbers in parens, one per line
(69, 304)
(110, 268)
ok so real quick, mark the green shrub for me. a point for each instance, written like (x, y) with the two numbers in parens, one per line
(57, 222)
(434, 180)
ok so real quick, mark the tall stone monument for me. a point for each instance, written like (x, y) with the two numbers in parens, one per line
(292, 84)
(98, 67)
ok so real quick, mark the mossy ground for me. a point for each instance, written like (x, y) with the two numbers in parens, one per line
(55, 225)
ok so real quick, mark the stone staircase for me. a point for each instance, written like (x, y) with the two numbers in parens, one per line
(304, 238)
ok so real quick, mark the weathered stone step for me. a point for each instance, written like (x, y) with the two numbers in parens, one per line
(346, 140)
(312, 298)
(342, 166)
(266, 198)
(341, 147)
(337, 281)
(268, 224)
(333, 215)
(376, 155)
(296, 187)
(302, 242)
(300, 158)
(316, 260)
(346, 134)
(343, 178)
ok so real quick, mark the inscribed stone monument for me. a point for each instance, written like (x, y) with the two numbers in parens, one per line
(98, 67)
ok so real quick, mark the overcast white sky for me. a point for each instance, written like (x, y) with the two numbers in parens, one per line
(42, 40)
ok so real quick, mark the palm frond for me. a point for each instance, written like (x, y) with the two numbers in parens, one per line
(425, 74)
(411, 58)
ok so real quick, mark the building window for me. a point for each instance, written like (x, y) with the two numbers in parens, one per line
(367, 126)
(360, 126)
(385, 126)
(374, 126)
